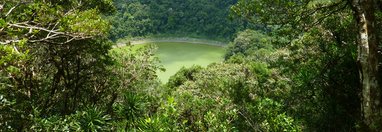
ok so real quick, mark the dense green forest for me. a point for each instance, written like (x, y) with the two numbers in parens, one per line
(312, 65)
(196, 18)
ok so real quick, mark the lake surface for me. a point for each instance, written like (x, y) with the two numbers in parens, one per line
(175, 55)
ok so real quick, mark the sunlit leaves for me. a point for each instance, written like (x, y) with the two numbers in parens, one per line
(247, 41)
(85, 22)
(2, 22)
(91, 119)
(319, 3)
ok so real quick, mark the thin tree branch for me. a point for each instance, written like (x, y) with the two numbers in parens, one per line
(9, 12)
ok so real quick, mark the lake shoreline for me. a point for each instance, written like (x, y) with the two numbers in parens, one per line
(123, 43)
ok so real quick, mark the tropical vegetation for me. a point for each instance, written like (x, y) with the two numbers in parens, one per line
(291, 65)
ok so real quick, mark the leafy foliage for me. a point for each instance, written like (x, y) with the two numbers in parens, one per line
(226, 94)
(248, 41)
(319, 56)
(188, 17)
(58, 71)
(89, 120)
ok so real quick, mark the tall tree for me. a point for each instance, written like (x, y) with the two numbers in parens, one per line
(364, 14)
(53, 56)
(300, 16)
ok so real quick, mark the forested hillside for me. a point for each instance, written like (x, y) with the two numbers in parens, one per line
(201, 18)
(313, 65)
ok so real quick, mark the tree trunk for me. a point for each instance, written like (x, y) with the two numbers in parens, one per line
(368, 61)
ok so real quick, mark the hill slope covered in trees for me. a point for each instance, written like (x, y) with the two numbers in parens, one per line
(316, 68)
(201, 18)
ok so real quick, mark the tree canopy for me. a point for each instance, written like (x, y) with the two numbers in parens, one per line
(204, 18)
(291, 65)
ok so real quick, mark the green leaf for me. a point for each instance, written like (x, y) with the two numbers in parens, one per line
(2, 22)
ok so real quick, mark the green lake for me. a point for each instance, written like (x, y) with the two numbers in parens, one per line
(175, 55)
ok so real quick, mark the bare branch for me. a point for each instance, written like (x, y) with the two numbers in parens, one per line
(9, 12)
(50, 32)
(15, 48)
(9, 42)
(55, 32)
(55, 25)
(18, 4)
(26, 26)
